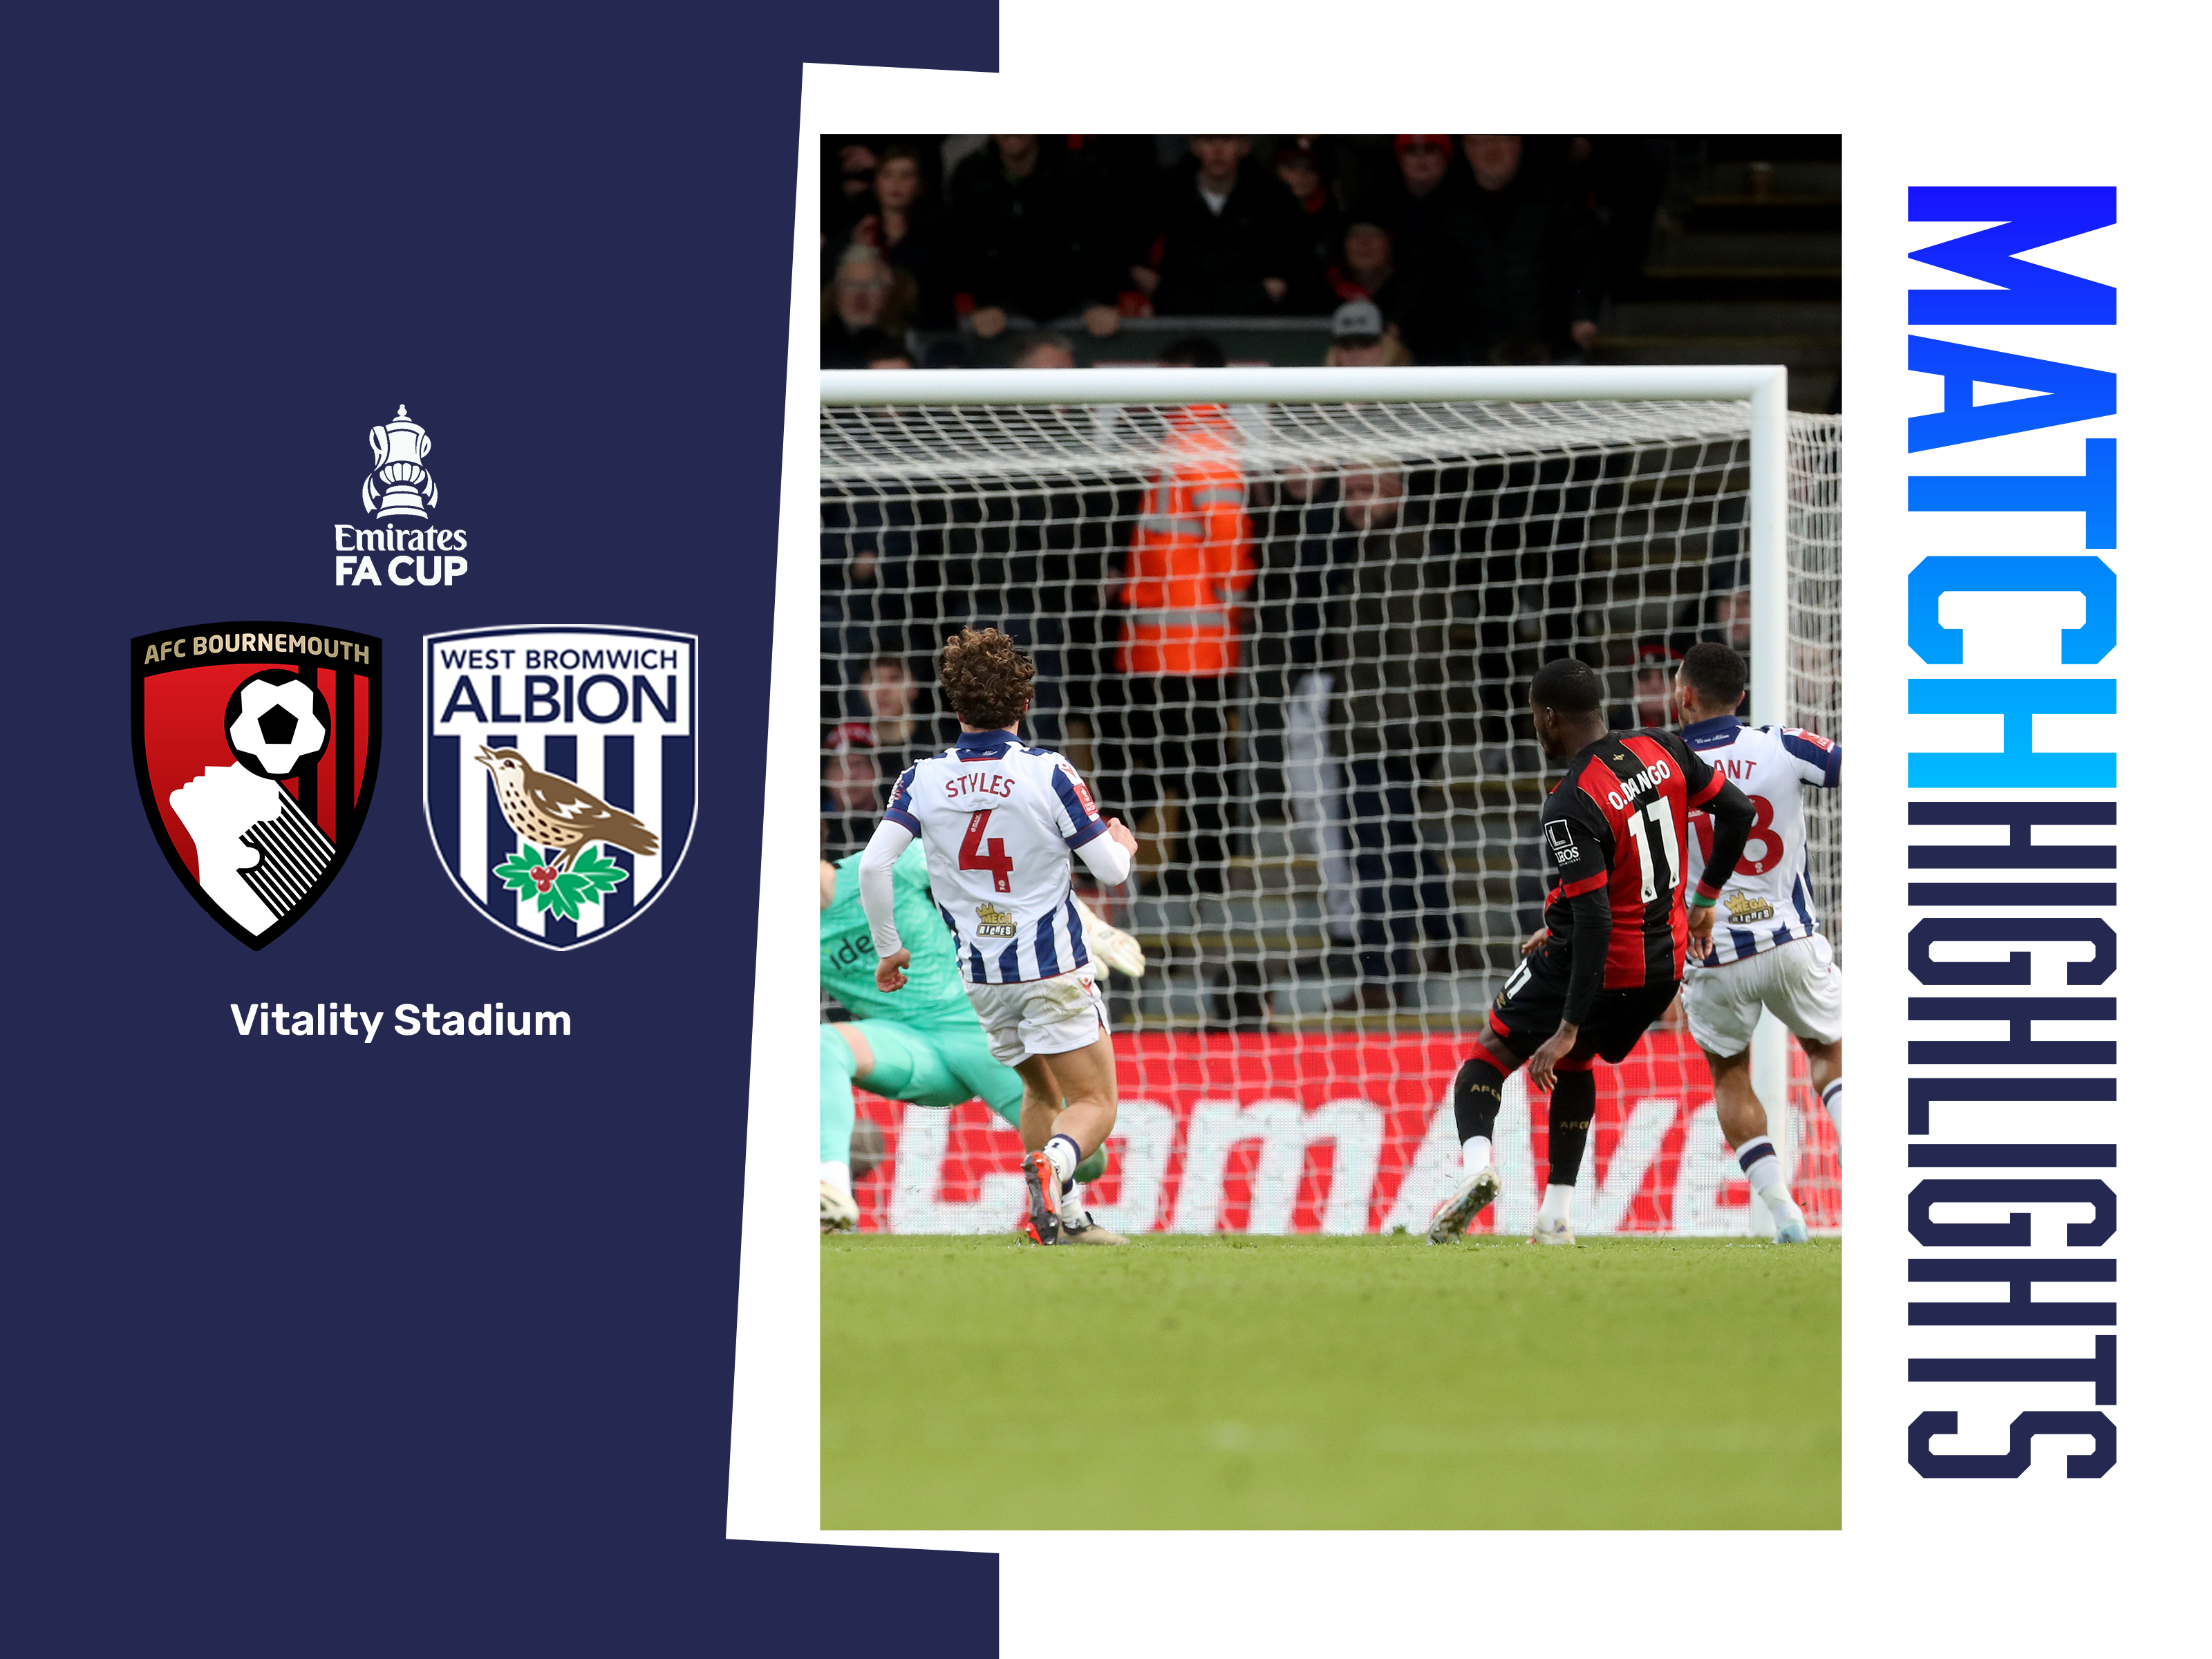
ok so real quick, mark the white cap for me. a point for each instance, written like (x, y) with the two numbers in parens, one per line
(1358, 319)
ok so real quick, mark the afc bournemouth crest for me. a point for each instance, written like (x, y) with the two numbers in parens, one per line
(560, 772)
(256, 746)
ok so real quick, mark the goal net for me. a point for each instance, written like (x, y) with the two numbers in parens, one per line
(1316, 721)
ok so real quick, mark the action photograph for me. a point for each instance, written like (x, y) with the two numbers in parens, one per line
(1331, 766)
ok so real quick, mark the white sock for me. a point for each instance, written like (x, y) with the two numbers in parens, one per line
(1064, 1155)
(1558, 1205)
(839, 1176)
(1763, 1170)
(1474, 1154)
(1833, 1098)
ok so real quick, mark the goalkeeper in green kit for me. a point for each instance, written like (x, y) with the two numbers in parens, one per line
(924, 1045)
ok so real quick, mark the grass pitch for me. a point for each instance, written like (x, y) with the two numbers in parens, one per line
(1323, 1382)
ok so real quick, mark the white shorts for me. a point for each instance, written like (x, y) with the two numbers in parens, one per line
(1799, 980)
(1041, 1015)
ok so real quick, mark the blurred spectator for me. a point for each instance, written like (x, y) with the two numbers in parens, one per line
(853, 795)
(1290, 692)
(866, 302)
(1417, 212)
(1526, 263)
(1033, 236)
(1045, 350)
(1388, 619)
(890, 354)
(1362, 340)
(1299, 167)
(1423, 159)
(1368, 269)
(1194, 351)
(848, 176)
(909, 231)
(854, 165)
(1190, 562)
(1517, 351)
(1652, 704)
(891, 693)
(1620, 179)
(1732, 620)
(1230, 240)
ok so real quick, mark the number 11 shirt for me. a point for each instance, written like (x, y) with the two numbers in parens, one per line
(1619, 820)
(999, 819)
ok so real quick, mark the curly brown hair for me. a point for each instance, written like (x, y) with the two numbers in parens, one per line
(986, 677)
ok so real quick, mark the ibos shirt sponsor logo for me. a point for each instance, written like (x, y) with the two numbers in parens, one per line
(399, 546)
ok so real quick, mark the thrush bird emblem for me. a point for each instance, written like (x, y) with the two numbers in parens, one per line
(559, 816)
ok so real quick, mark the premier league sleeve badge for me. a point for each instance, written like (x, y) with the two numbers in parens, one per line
(256, 749)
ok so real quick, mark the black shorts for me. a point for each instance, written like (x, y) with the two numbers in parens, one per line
(1528, 1010)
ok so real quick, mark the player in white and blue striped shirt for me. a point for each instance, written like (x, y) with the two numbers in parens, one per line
(1000, 821)
(1766, 950)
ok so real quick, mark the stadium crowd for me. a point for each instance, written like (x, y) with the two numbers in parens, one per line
(1477, 249)
(1298, 650)
(1218, 650)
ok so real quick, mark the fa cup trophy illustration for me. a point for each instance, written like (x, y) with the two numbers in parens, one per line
(399, 486)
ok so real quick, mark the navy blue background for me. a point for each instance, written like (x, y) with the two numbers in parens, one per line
(423, 1346)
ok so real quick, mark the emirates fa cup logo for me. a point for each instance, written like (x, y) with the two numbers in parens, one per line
(399, 486)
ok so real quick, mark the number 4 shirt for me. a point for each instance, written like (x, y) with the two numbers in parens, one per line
(999, 819)
(1767, 902)
(1619, 820)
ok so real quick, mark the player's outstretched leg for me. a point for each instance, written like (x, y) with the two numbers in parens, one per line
(1082, 1078)
(1477, 1093)
(839, 1065)
(1825, 1060)
(1574, 1105)
(1001, 1087)
(1743, 1120)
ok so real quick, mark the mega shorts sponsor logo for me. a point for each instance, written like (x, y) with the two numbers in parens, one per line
(255, 744)
(399, 546)
(560, 772)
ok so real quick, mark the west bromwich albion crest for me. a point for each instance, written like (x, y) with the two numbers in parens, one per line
(256, 748)
(560, 772)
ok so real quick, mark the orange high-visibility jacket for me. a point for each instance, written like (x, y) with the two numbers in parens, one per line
(1191, 558)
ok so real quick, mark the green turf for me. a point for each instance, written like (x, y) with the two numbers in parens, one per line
(1313, 1382)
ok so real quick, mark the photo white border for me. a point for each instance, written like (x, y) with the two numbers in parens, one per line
(1931, 94)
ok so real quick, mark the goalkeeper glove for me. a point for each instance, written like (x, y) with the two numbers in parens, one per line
(1111, 947)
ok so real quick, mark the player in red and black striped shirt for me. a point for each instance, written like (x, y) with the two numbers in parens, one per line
(1608, 959)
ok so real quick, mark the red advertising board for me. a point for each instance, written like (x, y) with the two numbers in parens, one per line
(1345, 1133)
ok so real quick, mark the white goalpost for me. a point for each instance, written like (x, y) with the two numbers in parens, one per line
(1322, 742)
